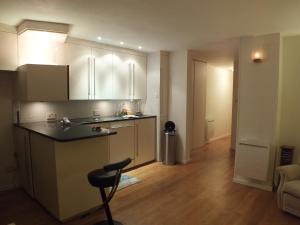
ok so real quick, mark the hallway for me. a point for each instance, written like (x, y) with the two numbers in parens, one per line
(199, 193)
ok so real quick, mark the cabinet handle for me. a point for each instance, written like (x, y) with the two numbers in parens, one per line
(94, 78)
(129, 69)
(137, 140)
(133, 81)
(120, 126)
(26, 160)
(89, 80)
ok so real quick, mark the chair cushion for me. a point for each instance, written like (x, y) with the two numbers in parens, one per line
(101, 178)
(292, 187)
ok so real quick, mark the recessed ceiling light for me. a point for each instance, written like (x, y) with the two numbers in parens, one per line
(140, 47)
(121, 43)
(99, 38)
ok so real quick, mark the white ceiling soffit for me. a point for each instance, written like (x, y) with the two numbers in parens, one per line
(42, 26)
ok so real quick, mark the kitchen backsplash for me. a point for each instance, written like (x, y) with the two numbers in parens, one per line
(37, 111)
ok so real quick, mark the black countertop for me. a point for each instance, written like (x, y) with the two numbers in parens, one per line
(77, 130)
(93, 120)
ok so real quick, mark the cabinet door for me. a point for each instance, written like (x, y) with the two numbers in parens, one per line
(122, 144)
(78, 58)
(42, 83)
(122, 76)
(8, 51)
(24, 159)
(139, 71)
(145, 140)
(103, 73)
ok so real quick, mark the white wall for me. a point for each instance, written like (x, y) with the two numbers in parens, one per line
(258, 97)
(8, 176)
(290, 103)
(178, 101)
(219, 89)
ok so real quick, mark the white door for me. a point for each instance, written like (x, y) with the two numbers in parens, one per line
(199, 104)
(103, 73)
(78, 58)
(122, 76)
(139, 70)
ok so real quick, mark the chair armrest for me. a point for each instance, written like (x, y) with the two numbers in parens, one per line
(290, 172)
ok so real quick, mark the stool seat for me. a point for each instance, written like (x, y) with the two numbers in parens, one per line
(102, 178)
(108, 177)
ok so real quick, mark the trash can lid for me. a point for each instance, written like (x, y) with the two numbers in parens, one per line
(169, 126)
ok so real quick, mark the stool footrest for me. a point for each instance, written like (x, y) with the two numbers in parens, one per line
(105, 222)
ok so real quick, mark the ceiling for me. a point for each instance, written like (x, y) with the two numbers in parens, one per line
(162, 24)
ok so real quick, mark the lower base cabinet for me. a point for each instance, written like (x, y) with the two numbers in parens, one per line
(122, 144)
(60, 174)
(55, 173)
(135, 139)
(145, 140)
(23, 153)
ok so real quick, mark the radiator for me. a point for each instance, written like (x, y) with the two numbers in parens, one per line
(252, 160)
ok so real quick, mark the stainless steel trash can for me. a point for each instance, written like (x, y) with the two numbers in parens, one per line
(169, 157)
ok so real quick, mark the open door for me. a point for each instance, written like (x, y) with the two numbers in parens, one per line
(199, 104)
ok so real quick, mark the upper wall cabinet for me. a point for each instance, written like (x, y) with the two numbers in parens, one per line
(122, 76)
(90, 72)
(78, 58)
(101, 74)
(102, 82)
(129, 76)
(8, 51)
(42, 83)
(139, 72)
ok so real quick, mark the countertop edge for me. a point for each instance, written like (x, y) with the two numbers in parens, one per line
(66, 140)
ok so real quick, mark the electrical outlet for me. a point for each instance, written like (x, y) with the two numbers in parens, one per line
(51, 116)
(96, 112)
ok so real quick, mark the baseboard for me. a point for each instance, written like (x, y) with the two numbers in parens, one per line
(247, 182)
(218, 138)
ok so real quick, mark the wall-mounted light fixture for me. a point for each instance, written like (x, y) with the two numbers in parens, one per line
(257, 56)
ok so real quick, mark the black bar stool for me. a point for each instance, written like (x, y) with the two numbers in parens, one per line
(108, 176)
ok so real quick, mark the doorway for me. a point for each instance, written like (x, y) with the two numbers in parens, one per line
(212, 103)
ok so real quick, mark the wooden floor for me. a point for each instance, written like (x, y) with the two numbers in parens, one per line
(200, 193)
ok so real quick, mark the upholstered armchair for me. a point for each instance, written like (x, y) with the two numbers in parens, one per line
(288, 193)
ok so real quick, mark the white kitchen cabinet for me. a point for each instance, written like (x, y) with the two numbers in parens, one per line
(145, 140)
(60, 173)
(23, 154)
(122, 145)
(100, 74)
(42, 83)
(8, 51)
(102, 82)
(78, 57)
(122, 76)
(130, 80)
(139, 71)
